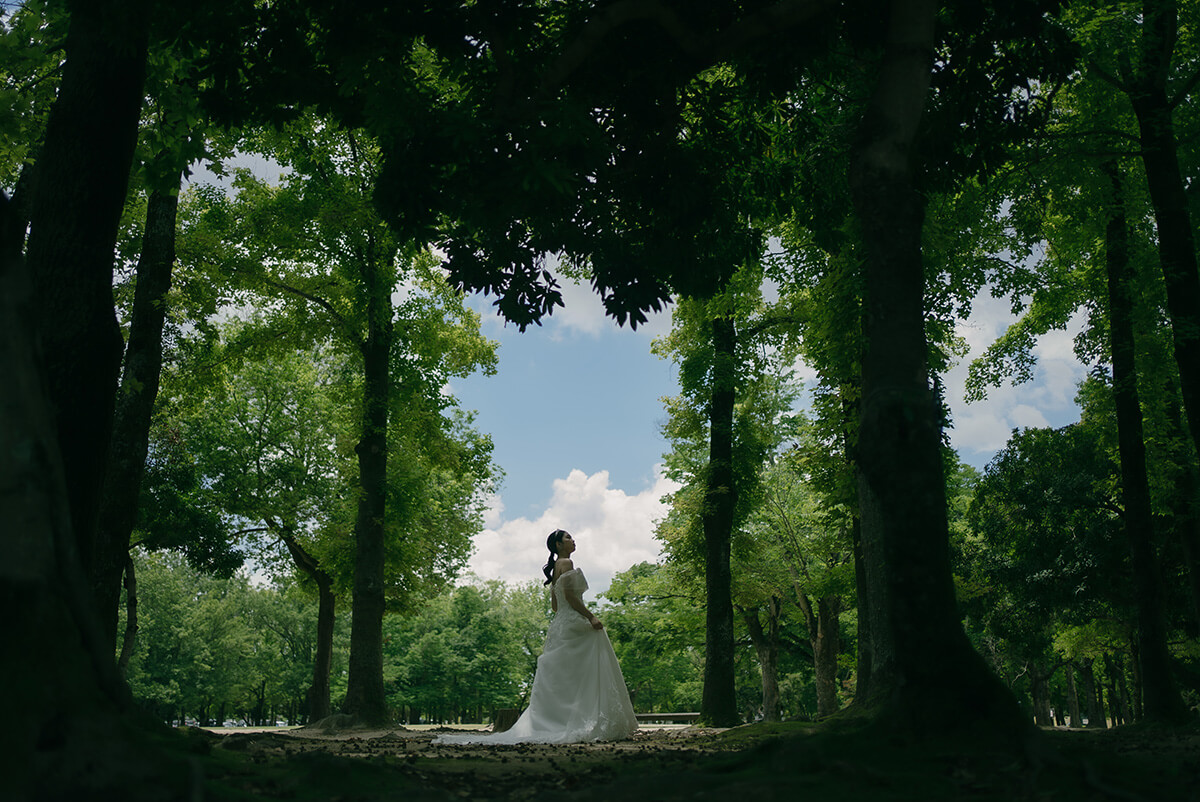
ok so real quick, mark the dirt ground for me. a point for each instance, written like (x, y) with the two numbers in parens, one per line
(745, 764)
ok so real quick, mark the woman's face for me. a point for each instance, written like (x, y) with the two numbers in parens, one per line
(566, 545)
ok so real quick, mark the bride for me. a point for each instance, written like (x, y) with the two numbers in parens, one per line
(578, 692)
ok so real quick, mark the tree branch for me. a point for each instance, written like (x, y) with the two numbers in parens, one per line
(319, 301)
(1107, 76)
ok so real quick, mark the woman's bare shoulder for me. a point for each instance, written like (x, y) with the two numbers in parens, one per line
(562, 565)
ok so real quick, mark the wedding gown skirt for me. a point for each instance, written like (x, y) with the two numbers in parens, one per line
(578, 692)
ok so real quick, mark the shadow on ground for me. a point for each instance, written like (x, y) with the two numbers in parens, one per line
(745, 764)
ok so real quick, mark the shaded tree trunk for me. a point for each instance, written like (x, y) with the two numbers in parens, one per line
(1074, 711)
(1092, 696)
(317, 697)
(766, 646)
(134, 406)
(824, 636)
(82, 177)
(1162, 697)
(924, 672)
(1039, 690)
(827, 645)
(365, 697)
(1172, 217)
(718, 706)
(129, 641)
(68, 739)
(1185, 505)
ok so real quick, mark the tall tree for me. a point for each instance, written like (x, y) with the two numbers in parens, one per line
(317, 243)
(1162, 698)
(927, 666)
(76, 208)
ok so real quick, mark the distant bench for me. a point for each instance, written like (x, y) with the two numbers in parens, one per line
(674, 718)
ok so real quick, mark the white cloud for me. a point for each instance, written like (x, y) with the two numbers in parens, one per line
(1024, 416)
(613, 529)
(983, 427)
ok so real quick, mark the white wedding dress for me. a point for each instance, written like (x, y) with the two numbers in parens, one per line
(578, 692)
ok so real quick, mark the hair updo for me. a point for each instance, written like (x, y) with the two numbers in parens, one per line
(552, 543)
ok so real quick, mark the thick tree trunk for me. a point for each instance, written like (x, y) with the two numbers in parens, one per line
(317, 698)
(827, 645)
(1162, 697)
(766, 646)
(925, 672)
(365, 698)
(1172, 217)
(1039, 690)
(67, 738)
(718, 705)
(134, 406)
(82, 176)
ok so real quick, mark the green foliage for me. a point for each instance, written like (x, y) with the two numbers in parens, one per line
(31, 40)
(657, 630)
(215, 649)
(467, 653)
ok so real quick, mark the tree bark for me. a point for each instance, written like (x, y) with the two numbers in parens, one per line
(718, 705)
(134, 406)
(129, 641)
(1162, 697)
(1091, 695)
(365, 697)
(766, 646)
(1172, 217)
(82, 177)
(925, 673)
(67, 738)
(1074, 711)
(317, 698)
(1185, 505)
(827, 645)
(1039, 690)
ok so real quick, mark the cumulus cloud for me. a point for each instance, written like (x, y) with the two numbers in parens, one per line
(613, 529)
(983, 427)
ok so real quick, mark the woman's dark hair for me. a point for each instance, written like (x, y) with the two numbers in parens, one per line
(552, 543)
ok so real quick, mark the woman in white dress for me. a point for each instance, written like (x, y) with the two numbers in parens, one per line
(578, 691)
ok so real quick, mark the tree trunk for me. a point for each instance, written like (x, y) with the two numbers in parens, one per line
(365, 698)
(827, 645)
(1091, 695)
(1185, 506)
(1073, 709)
(1172, 217)
(317, 698)
(925, 672)
(134, 406)
(866, 641)
(718, 706)
(1162, 697)
(129, 641)
(1039, 690)
(67, 738)
(766, 646)
(82, 177)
